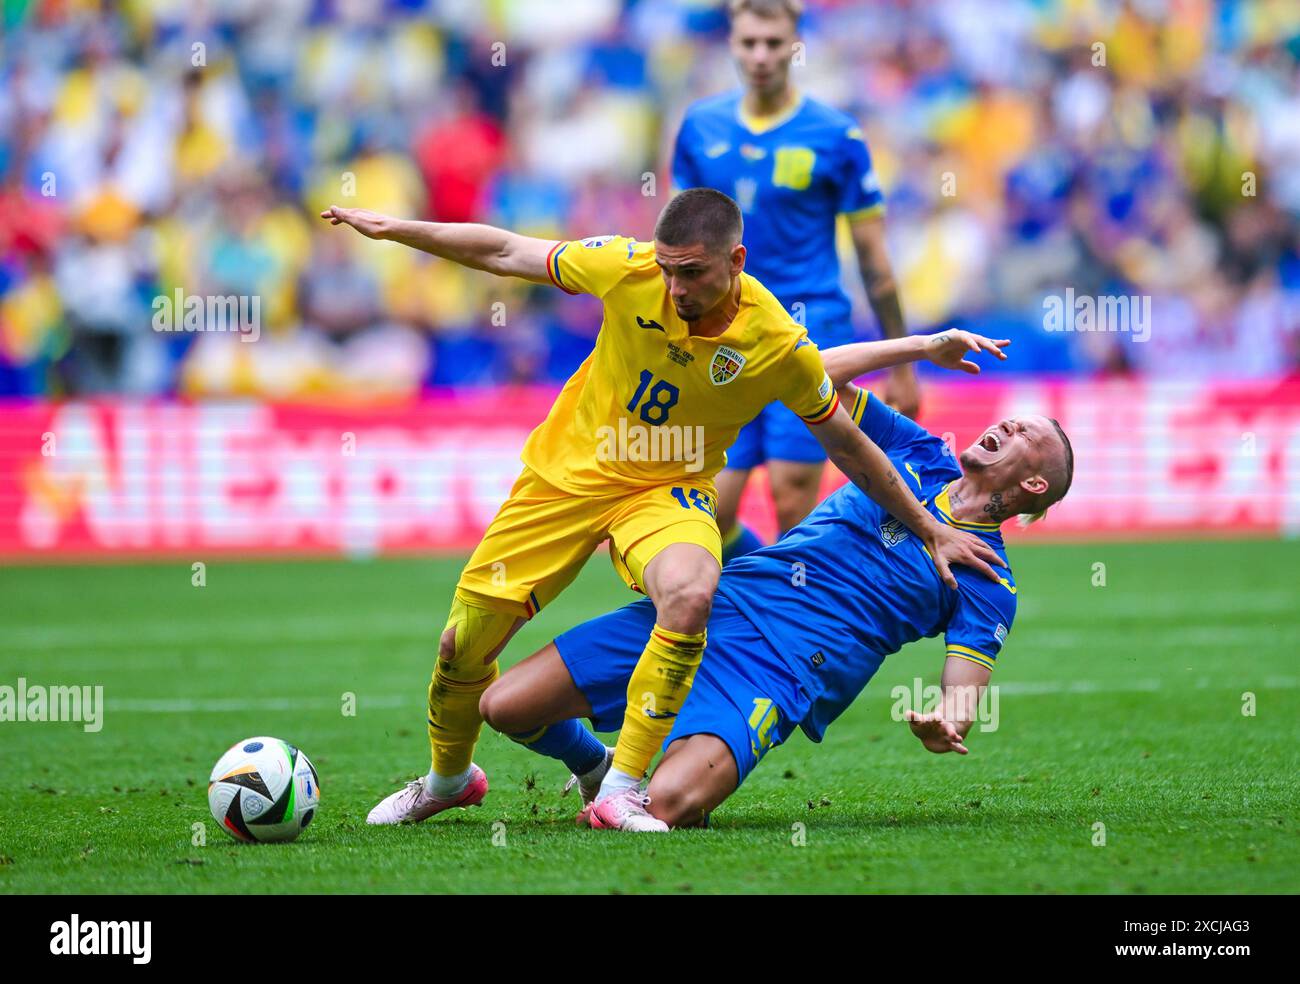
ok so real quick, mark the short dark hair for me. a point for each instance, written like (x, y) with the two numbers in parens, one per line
(700, 216)
(1069, 461)
(767, 8)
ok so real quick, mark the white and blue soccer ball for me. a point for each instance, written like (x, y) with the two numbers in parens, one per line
(263, 789)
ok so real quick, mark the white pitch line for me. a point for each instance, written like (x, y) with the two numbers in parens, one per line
(333, 632)
(1024, 688)
(315, 628)
(129, 705)
(1029, 688)
(1183, 637)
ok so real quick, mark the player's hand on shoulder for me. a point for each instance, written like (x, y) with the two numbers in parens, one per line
(372, 225)
(951, 547)
(950, 349)
(935, 733)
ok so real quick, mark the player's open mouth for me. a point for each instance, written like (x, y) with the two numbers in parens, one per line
(991, 442)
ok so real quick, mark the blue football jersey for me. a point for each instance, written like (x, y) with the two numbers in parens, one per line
(851, 584)
(791, 175)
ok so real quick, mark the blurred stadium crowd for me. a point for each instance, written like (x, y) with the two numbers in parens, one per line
(150, 145)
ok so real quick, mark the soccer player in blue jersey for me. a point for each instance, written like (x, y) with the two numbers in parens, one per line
(794, 165)
(802, 625)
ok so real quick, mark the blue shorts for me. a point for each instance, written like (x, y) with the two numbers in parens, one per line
(777, 433)
(743, 693)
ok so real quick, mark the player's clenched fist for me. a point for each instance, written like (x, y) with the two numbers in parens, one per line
(373, 225)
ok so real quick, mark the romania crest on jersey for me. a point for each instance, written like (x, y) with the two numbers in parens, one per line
(726, 365)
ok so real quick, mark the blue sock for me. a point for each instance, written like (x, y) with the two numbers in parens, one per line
(740, 541)
(567, 741)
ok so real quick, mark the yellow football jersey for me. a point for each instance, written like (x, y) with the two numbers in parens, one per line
(652, 404)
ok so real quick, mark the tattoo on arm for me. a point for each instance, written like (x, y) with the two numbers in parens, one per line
(864, 482)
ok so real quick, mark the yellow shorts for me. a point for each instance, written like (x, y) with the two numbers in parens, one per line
(542, 535)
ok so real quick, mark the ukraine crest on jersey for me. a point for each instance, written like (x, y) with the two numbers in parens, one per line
(649, 385)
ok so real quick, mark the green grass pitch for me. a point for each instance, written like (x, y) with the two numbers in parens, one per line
(1120, 705)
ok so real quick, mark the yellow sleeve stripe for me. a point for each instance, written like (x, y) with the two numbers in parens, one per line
(825, 415)
(974, 655)
(870, 212)
(860, 406)
(553, 266)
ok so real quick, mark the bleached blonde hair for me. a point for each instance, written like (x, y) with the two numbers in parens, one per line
(1028, 519)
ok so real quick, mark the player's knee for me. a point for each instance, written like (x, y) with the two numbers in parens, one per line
(676, 802)
(447, 646)
(499, 708)
(452, 666)
(471, 639)
(685, 606)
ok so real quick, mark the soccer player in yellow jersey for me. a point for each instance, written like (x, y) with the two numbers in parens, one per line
(690, 349)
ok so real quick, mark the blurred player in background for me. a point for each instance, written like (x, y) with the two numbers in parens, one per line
(690, 347)
(797, 655)
(795, 165)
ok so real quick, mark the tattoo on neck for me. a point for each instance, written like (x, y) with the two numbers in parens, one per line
(995, 507)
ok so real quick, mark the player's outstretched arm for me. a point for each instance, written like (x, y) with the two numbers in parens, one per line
(949, 349)
(945, 728)
(479, 247)
(867, 467)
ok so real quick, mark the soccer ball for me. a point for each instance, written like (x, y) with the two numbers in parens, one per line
(263, 789)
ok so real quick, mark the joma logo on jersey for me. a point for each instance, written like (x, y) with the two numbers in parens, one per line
(726, 365)
(893, 533)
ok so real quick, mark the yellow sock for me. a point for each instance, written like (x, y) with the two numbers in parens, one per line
(655, 694)
(454, 720)
(458, 683)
